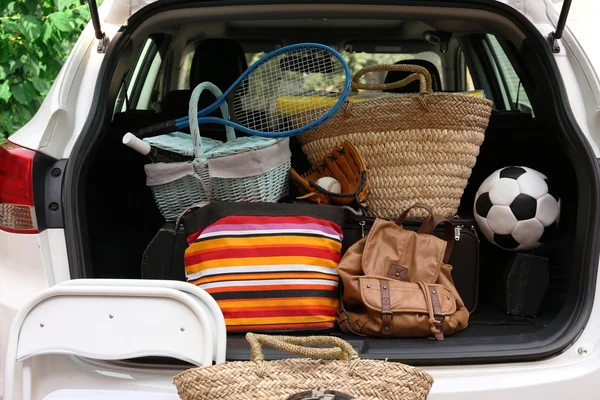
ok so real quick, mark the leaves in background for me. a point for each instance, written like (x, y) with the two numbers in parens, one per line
(30, 27)
(40, 85)
(61, 21)
(36, 36)
(5, 91)
(24, 92)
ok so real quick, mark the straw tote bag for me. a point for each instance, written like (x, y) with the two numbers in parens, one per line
(283, 379)
(419, 148)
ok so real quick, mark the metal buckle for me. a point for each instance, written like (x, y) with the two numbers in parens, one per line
(442, 316)
(391, 314)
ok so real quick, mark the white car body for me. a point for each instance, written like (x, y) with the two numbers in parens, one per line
(30, 264)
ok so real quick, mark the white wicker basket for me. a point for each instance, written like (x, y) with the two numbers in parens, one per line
(242, 169)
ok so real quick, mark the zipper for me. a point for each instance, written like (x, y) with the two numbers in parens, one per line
(457, 229)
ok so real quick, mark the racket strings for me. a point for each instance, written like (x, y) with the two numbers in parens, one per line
(290, 90)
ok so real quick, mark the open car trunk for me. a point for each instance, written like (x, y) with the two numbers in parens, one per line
(112, 215)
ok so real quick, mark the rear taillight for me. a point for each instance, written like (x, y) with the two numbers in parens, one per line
(17, 212)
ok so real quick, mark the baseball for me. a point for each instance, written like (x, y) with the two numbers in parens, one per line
(329, 184)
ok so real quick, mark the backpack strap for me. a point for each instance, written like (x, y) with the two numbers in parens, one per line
(402, 216)
(430, 224)
(433, 222)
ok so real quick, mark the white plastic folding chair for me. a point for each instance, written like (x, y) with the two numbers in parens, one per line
(200, 295)
(108, 323)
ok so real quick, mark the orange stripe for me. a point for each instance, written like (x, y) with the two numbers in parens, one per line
(246, 277)
(294, 327)
(283, 308)
(253, 261)
(262, 247)
(259, 321)
(266, 287)
(276, 302)
(265, 241)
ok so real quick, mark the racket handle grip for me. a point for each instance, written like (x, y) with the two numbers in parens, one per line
(136, 144)
(156, 129)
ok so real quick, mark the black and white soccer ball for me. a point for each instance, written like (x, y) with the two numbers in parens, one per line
(517, 208)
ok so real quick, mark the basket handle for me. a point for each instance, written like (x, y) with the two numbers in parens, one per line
(193, 115)
(419, 73)
(295, 345)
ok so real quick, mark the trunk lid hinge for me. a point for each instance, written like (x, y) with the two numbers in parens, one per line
(554, 37)
(101, 36)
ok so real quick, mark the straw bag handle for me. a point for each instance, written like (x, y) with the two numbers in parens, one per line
(419, 73)
(295, 345)
(193, 116)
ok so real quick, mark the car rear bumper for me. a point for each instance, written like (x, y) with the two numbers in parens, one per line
(571, 375)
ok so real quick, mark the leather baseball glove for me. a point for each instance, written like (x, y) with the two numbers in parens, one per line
(347, 166)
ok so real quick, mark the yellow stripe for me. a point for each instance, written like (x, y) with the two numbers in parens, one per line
(277, 320)
(297, 104)
(252, 261)
(224, 304)
(263, 241)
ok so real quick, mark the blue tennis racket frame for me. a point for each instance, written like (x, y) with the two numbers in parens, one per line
(183, 122)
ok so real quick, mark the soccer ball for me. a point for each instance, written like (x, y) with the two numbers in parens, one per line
(517, 208)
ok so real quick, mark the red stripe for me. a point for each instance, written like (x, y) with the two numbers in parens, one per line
(295, 327)
(262, 251)
(260, 219)
(193, 237)
(283, 312)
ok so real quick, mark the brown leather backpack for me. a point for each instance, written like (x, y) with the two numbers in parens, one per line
(398, 283)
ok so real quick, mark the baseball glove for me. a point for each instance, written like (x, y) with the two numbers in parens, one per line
(346, 165)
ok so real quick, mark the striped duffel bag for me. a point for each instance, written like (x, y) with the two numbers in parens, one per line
(271, 267)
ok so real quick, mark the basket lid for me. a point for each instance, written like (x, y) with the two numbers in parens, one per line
(240, 145)
(180, 142)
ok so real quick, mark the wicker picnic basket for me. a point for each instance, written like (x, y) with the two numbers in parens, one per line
(419, 148)
(250, 168)
(282, 379)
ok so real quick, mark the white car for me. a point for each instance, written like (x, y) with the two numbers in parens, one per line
(76, 215)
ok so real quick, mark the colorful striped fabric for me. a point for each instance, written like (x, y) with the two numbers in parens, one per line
(269, 273)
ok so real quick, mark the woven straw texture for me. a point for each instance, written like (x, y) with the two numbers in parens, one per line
(275, 380)
(419, 148)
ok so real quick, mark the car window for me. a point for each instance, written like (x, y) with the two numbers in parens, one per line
(356, 61)
(510, 83)
(137, 90)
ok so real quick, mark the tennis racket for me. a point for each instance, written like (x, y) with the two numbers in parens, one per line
(307, 72)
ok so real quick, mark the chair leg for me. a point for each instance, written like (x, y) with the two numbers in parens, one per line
(27, 381)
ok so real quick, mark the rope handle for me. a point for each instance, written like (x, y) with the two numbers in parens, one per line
(296, 345)
(419, 73)
(193, 115)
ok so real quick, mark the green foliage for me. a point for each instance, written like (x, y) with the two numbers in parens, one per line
(36, 37)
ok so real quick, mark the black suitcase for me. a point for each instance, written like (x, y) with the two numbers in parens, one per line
(163, 257)
(464, 258)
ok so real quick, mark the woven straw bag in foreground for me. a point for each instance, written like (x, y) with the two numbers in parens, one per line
(419, 148)
(277, 380)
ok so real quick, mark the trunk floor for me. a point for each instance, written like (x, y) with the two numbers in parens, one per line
(487, 323)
